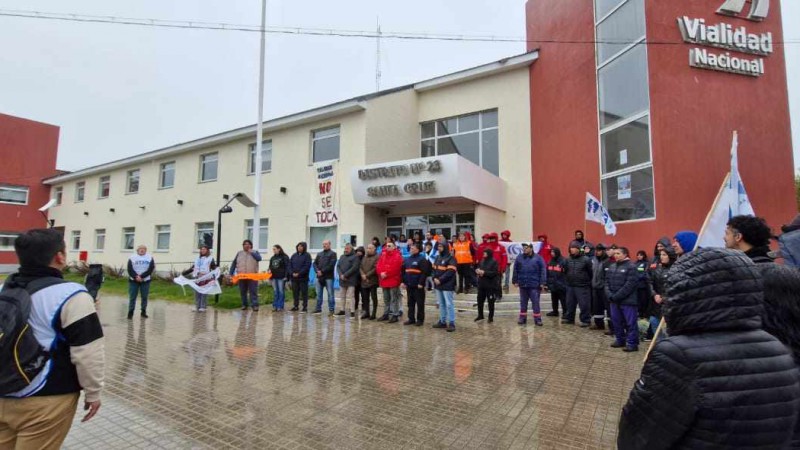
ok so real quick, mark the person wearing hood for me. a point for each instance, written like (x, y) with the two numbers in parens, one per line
(505, 236)
(530, 276)
(578, 274)
(684, 242)
(430, 254)
(488, 287)
(444, 280)
(545, 248)
(390, 274)
(299, 268)
(465, 257)
(658, 287)
(416, 270)
(789, 243)
(643, 289)
(556, 283)
(599, 303)
(348, 267)
(369, 282)
(750, 235)
(719, 380)
(782, 313)
(662, 243)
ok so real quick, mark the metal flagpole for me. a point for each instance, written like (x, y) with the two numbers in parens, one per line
(259, 131)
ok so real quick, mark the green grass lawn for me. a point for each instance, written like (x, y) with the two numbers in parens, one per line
(164, 290)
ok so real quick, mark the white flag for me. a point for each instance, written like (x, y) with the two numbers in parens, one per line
(596, 212)
(206, 284)
(732, 200)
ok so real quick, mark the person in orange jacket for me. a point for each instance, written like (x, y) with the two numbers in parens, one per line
(465, 259)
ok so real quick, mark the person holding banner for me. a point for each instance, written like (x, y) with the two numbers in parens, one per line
(203, 265)
(750, 235)
(246, 261)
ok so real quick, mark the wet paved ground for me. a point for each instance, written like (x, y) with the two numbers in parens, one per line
(264, 380)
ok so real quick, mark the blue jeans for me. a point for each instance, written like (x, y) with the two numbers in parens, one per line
(279, 288)
(327, 286)
(135, 289)
(447, 307)
(249, 287)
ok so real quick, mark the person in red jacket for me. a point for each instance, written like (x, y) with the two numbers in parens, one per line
(390, 275)
(544, 250)
(484, 243)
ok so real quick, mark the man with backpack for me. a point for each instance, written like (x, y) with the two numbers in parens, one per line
(63, 355)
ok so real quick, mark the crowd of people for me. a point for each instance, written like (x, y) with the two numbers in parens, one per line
(723, 372)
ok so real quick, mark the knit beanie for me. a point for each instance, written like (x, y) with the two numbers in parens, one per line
(687, 239)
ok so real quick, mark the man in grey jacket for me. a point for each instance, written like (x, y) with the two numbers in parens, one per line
(246, 261)
(348, 279)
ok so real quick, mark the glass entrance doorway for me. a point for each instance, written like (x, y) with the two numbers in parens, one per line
(446, 225)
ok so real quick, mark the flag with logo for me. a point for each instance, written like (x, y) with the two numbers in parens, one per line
(596, 212)
(205, 284)
(732, 200)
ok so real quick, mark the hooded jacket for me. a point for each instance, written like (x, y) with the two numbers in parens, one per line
(655, 260)
(499, 251)
(658, 283)
(491, 270)
(300, 262)
(530, 271)
(444, 270)
(600, 265)
(760, 255)
(368, 270)
(544, 250)
(718, 380)
(579, 270)
(391, 263)
(556, 282)
(348, 269)
(622, 280)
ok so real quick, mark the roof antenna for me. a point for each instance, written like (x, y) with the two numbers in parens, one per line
(378, 57)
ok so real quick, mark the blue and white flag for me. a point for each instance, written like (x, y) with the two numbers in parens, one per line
(596, 212)
(732, 200)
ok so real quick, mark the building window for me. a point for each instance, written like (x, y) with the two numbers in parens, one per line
(162, 237)
(626, 164)
(133, 181)
(325, 144)
(80, 189)
(15, 195)
(7, 242)
(166, 178)
(58, 194)
(204, 234)
(319, 234)
(100, 239)
(473, 136)
(75, 241)
(105, 187)
(128, 238)
(208, 167)
(263, 232)
(266, 158)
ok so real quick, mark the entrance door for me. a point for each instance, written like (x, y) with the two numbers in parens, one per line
(441, 230)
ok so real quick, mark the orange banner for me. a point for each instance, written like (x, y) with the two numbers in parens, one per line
(261, 276)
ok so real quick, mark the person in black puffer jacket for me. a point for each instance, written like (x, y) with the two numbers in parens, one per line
(579, 284)
(782, 313)
(658, 287)
(718, 380)
(556, 283)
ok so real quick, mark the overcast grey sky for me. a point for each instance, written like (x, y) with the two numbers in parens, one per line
(118, 90)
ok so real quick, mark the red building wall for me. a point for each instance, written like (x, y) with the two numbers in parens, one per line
(693, 115)
(28, 151)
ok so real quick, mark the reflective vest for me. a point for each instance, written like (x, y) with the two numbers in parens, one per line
(462, 252)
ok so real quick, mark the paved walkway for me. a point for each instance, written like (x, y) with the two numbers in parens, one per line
(264, 380)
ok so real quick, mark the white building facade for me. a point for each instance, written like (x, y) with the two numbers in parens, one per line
(448, 154)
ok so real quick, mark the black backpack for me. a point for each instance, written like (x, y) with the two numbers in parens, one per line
(21, 355)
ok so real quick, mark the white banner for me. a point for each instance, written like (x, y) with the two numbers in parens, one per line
(206, 284)
(596, 212)
(731, 201)
(324, 209)
(514, 249)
